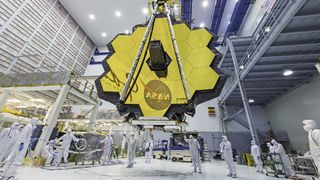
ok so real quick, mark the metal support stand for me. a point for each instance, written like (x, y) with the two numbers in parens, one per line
(93, 118)
(220, 116)
(176, 50)
(52, 119)
(137, 58)
(243, 93)
(3, 99)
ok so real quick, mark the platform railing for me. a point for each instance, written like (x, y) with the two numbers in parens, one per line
(260, 35)
(49, 79)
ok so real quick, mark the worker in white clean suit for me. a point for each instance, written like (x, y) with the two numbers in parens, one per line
(19, 150)
(149, 150)
(49, 154)
(131, 150)
(66, 142)
(271, 148)
(194, 146)
(226, 149)
(20, 127)
(278, 148)
(8, 138)
(314, 140)
(255, 152)
(107, 148)
(123, 144)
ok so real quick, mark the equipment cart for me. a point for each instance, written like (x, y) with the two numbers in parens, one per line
(304, 165)
(273, 164)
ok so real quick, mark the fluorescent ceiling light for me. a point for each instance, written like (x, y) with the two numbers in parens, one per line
(104, 34)
(318, 66)
(145, 11)
(287, 72)
(205, 3)
(13, 100)
(267, 29)
(118, 13)
(92, 17)
(202, 25)
(37, 100)
(251, 100)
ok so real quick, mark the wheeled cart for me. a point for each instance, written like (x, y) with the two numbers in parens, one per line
(273, 165)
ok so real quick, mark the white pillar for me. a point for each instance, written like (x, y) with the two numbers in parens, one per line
(52, 118)
(3, 99)
(93, 118)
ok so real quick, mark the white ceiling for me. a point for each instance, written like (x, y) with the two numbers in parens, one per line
(131, 10)
(105, 19)
(202, 14)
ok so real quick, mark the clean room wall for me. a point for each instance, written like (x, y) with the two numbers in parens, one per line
(41, 36)
(239, 135)
(95, 70)
(226, 16)
(259, 119)
(201, 121)
(287, 112)
(252, 18)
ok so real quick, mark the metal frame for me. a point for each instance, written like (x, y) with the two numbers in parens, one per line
(30, 38)
(79, 52)
(243, 93)
(138, 55)
(176, 50)
(262, 40)
(67, 48)
(52, 41)
(5, 26)
(35, 35)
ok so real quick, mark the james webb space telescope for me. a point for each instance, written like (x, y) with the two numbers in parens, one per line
(163, 69)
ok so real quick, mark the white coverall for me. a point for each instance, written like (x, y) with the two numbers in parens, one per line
(271, 148)
(49, 154)
(278, 148)
(8, 138)
(123, 142)
(255, 152)
(107, 148)
(314, 143)
(314, 140)
(148, 151)
(131, 150)
(194, 147)
(226, 149)
(19, 150)
(66, 142)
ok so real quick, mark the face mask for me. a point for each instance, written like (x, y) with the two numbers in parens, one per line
(307, 128)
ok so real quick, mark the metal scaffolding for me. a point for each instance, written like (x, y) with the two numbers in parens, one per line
(287, 37)
(40, 36)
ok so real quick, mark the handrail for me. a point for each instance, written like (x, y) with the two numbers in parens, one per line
(259, 36)
(49, 79)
